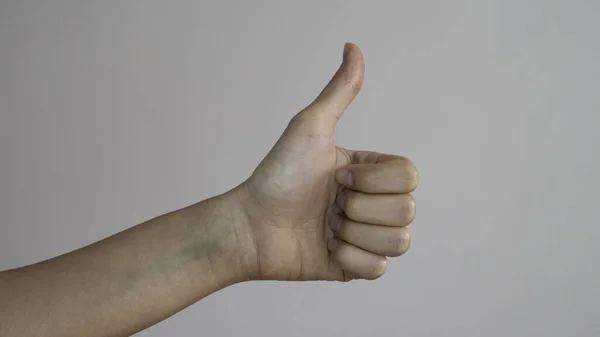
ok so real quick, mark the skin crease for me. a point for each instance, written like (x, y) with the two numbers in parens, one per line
(311, 210)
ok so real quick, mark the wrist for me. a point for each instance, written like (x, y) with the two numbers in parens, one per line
(225, 241)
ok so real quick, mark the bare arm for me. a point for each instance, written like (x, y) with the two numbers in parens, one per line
(131, 280)
(310, 211)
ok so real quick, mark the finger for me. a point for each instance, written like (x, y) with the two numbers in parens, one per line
(321, 116)
(356, 261)
(377, 209)
(373, 172)
(382, 240)
(347, 81)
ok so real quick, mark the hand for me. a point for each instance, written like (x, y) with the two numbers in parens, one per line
(310, 211)
(320, 212)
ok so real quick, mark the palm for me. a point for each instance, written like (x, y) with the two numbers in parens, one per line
(294, 191)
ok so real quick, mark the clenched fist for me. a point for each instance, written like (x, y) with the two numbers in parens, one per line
(316, 211)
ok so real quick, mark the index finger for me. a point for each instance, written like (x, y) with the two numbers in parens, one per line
(371, 172)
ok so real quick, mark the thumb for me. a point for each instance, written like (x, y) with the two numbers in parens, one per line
(346, 82)
(329, 106)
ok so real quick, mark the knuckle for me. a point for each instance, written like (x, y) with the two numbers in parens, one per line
(399, 242)
(307, 124)
(379, 268)
(408, 209)
(300, 118)
(411, 173)
(353, 83)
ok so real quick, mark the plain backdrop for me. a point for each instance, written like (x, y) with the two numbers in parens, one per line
(113, 112)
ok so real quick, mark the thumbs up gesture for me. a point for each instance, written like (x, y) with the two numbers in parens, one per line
(317, 211)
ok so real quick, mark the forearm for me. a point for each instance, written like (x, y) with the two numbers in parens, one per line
(131, 280)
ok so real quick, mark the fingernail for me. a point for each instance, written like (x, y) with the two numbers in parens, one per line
(344, 177)
(333, 244)
(346, 49)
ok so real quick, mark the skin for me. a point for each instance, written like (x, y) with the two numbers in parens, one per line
(310, 211)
